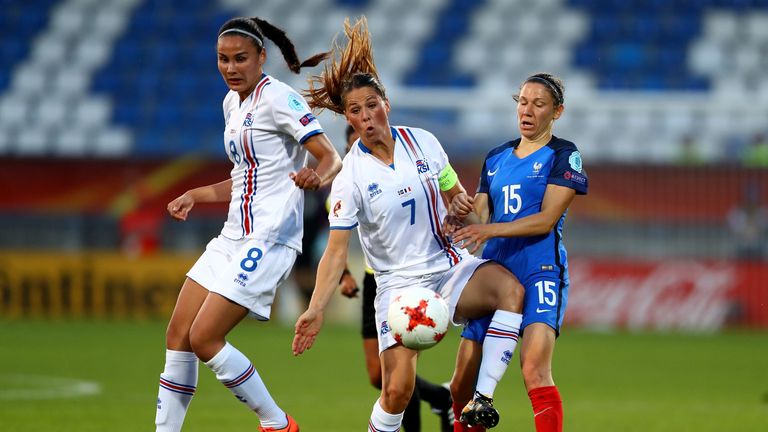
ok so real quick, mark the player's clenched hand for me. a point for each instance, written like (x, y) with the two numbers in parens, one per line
(348, 286)
(473, 235)
(180, 207)
(451, 224)
(461, 205)
(307, 327)
(306, 178)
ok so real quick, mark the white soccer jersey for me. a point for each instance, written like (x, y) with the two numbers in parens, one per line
(263, 138)
(397, 208)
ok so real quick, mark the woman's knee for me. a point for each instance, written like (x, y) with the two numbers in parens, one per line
(177, 337)
(396, 397)
(536, 375)
(204, 343)
(510, 295)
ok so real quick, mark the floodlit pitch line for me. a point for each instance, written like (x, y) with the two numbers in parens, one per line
(37, 387)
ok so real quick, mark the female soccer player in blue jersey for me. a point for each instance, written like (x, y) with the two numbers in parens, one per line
(392, 187)
(269, 130)
(525, 189)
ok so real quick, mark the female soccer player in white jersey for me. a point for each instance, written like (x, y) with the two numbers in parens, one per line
(526, 186)
(392, 188)
(269, 129)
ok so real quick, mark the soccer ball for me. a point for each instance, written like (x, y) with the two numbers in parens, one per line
(418, 318)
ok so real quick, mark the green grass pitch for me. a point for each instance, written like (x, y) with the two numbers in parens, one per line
(609, 381)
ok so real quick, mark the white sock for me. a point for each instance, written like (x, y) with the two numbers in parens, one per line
(178, 383)
(235, 371)
(382, 421)
(498, 346)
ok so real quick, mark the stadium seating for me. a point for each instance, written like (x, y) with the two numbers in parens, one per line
(137, 77)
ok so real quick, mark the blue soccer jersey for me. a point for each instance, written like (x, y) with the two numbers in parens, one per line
(515, 188)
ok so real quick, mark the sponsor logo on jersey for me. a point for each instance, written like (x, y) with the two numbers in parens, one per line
(248, 120)
(336, 208)
(422, 166)
(547, 267)
(241, 279)
(506, 357)
(575, 160)
(575, 177)
(373, 190)
(294, 103)
(493, 173)
(307, 119)
(384, 328)
(404, 191)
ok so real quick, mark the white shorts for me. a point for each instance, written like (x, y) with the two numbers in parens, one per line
(449, 284)
(246, 271)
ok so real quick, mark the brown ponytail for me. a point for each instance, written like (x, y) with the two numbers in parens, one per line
(351, 67)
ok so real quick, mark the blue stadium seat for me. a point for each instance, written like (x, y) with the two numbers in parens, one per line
(641, 44)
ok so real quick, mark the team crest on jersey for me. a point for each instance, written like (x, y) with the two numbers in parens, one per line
(307, 119)
(537, 167)
(575, 160)
(248, 120)
(295, 103)
(422, 166)
(384, 328)
(373, 190)
(336, 208)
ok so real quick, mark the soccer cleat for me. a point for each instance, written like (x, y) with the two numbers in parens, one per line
(291, 427)
(480, 411)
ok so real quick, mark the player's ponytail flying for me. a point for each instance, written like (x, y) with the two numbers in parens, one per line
(350, 67)
(257, 29)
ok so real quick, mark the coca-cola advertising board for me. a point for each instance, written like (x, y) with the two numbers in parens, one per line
(667, 294)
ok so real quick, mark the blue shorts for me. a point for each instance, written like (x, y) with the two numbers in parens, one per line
(546, 296)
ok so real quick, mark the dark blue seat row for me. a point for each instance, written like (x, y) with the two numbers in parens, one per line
(19, 24)
(434, 67)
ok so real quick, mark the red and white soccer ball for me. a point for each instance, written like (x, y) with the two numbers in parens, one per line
(418, 318)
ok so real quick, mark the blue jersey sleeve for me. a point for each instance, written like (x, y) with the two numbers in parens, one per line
(567, 169)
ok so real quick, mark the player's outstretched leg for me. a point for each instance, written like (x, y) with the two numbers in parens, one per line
(236, 372)
(480, 411)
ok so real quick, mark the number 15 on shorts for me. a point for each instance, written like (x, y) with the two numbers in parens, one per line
(547, 295)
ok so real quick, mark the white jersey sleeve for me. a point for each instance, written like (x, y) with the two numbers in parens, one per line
(293, 116)
(344, 200)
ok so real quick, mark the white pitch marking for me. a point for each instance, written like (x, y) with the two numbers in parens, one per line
(37, 387)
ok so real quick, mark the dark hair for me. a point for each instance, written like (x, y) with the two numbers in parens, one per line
(551, 82)
(257, 29)
(353, 69)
